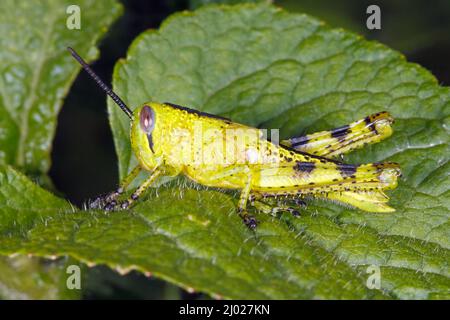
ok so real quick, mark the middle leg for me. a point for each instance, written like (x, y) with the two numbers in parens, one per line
(248, 219)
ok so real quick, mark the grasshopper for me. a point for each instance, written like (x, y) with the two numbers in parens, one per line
(163, 139)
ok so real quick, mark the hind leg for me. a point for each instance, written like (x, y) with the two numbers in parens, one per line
(338, 141)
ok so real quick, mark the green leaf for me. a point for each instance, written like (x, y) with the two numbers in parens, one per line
(37, 71)
(265, 67)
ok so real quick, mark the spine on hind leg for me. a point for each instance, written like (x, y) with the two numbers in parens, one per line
(371, 129)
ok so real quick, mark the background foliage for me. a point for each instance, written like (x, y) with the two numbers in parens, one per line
(325, 253)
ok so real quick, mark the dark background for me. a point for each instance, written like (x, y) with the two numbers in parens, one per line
(84, 159)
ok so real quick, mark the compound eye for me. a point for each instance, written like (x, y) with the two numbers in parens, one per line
(147, 119)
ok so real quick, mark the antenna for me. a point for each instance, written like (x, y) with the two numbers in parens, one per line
(101, 84)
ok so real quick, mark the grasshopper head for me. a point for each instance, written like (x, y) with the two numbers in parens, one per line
(143, 126)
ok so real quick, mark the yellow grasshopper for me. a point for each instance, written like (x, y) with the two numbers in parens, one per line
(169, 140)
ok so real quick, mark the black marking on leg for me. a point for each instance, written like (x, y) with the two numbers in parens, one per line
(294, 212)
(300, 141)
(347, 170)
(110, 206)
(248, 219)
(106, 201)
(340, 132)
(370, 124)
(125, 204)
(300, 202)
(306, 167)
